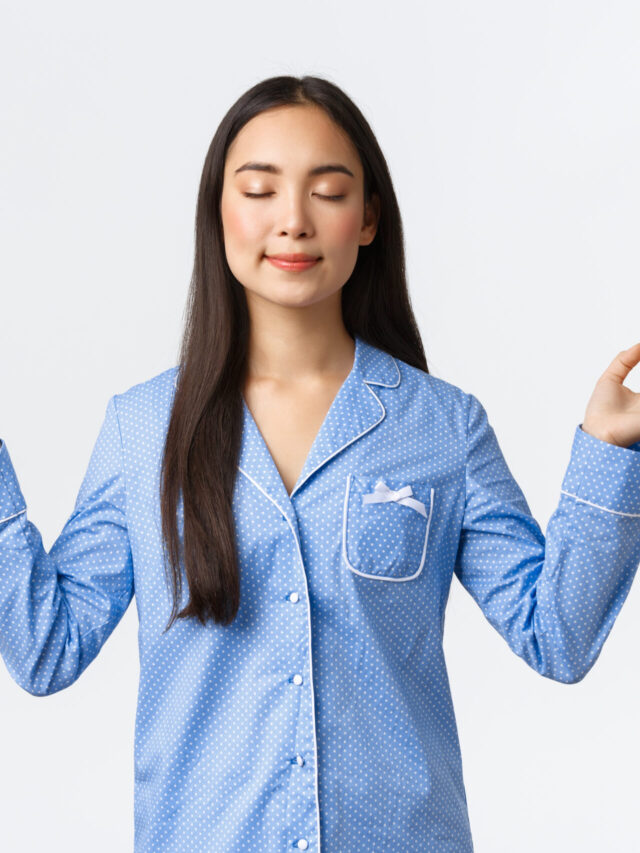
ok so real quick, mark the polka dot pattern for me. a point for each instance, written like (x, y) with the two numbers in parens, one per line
(321, 719)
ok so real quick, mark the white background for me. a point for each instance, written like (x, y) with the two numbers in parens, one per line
(512, 133)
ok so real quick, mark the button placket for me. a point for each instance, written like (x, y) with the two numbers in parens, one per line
(297, 760)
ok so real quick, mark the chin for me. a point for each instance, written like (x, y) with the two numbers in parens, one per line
(293, 295)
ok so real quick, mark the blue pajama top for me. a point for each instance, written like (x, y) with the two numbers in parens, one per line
(321, 719)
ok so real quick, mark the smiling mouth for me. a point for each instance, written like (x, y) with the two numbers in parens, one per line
(296, 263)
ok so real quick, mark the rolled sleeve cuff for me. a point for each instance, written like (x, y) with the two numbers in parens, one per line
(604, 474)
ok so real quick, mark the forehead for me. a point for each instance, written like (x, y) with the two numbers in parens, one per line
(293, 138)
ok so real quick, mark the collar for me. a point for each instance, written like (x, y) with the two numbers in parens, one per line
(355, 411)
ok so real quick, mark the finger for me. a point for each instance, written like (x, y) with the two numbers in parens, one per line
(623, 363)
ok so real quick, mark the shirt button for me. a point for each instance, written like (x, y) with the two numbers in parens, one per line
(294, 596)
(297, 679)
(299, 760)
(302, 844)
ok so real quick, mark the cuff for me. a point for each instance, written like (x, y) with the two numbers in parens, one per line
(11, 498)
(604, 474)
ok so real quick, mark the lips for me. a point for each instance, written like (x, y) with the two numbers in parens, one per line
(294, 257)
(293, 262)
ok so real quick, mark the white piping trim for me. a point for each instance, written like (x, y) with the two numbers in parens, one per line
(285, 516)
(384, 384)
(381, 577)
(355, 438)
(313, 702)
(13, 516)
(597, 506)
(367, 382)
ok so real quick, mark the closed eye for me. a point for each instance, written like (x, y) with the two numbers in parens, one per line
(264, 195)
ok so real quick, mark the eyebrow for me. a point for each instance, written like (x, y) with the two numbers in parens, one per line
(274, 170)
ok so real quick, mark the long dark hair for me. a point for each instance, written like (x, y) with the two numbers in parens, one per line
(199, 465)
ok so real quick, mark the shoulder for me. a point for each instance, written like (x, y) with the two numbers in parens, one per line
(428, 388)
(429, 403)
(156, 388)
(143, 409)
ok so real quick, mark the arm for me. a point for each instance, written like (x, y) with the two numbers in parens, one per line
(553, 599)
(57, 609)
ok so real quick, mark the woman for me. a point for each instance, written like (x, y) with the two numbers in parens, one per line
(314, 489)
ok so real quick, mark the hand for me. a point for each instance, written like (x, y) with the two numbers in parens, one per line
(613, 411)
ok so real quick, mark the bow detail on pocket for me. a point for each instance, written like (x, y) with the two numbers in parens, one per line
(382, 493)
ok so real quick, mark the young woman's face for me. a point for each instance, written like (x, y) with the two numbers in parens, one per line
(295, 210)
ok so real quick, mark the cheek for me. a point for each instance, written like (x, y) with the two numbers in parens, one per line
(345, 230)
(240, 226)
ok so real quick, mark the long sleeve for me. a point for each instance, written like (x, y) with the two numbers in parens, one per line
(553, 597)
(57, 609)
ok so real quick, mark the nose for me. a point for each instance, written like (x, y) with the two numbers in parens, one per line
(294, 217)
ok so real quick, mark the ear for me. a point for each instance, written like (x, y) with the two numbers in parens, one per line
(370, 220)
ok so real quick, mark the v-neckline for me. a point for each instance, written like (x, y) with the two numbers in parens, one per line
(320, 432)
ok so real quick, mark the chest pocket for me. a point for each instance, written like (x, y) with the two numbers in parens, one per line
(385, 528)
